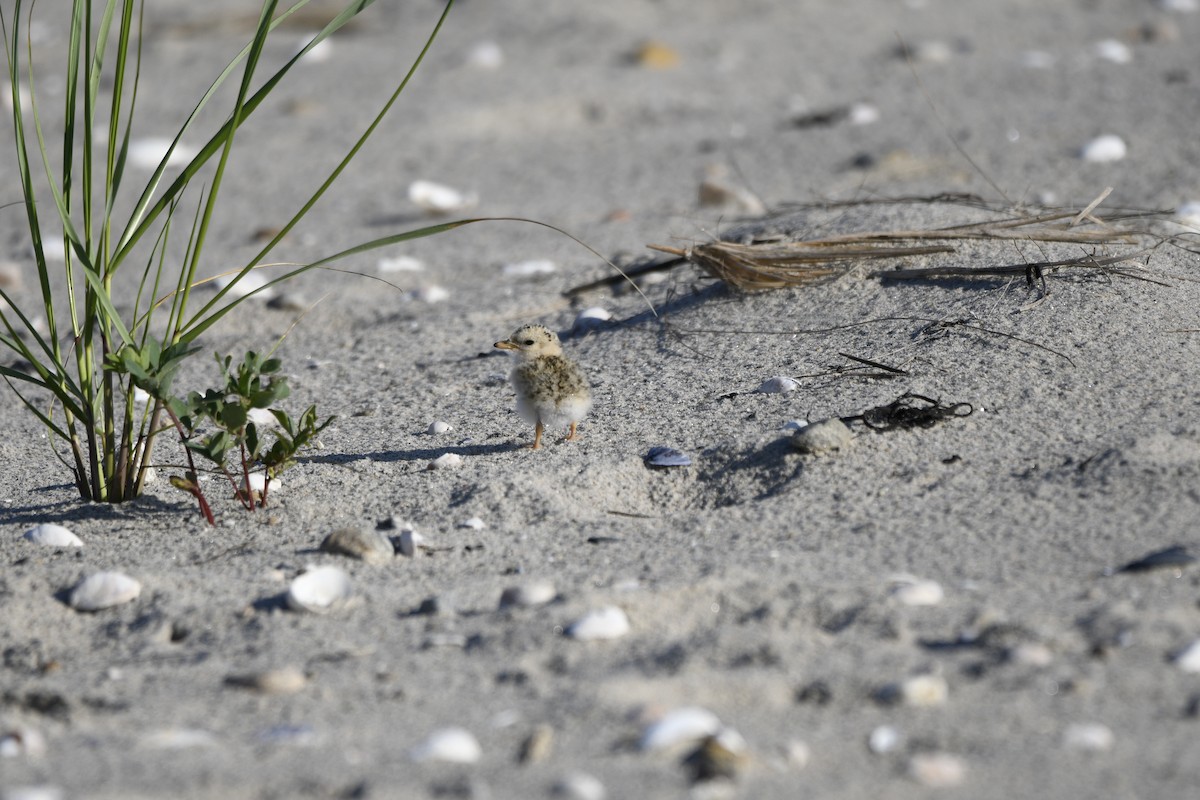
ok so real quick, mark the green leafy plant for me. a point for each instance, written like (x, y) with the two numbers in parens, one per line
(89, 356)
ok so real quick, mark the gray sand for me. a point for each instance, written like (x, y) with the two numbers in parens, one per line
(757, 581)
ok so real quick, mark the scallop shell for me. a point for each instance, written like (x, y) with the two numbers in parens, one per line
(438, 426)
(320, 589)
(103, 590)
(449, 745)
(607, 622)
(52, 535)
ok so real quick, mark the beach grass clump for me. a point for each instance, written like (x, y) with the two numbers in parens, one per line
(91, 344)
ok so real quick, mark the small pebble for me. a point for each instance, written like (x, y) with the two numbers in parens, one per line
(430, 294)
(473, 523)
(825, 436)
(320, 589)
(591, 318)
(578, 786)
(103, 590)
(937, 770)
(528, 595)
(884, 739)
(797, 754)
(719, 756)
(535, 266)
(778, 384)
(50, 535)
(608, 622)
(242, 287)
(666, 457)
(10, 276)
(537, 745)
(439, 427)
(446, 461)
(911, 591)
(863, 114)
(1090, 736)
(655, 55)
(366, 545)
(22, 742)
(924, 691)
(1188, 659)
(435, 198)
(288, 301)
(448, 745)
(287, 680)
(486, 55)
(1104, 149)
(679, 727)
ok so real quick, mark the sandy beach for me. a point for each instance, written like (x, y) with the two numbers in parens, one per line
(926, 611)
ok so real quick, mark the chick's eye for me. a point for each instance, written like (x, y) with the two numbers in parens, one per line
(529, 342)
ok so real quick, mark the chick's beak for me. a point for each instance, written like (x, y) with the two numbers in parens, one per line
(506, 345)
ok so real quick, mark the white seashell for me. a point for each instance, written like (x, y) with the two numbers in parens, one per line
(1189, 214)
(591, 318)
(679, 727)
(937, 770)
(430, 294)
(400, 264)
(140, 396)
(410, 540)
(1188, 659)
(924, 691)
(178, 739)
(449, 745)
(933, 51)
(52, 535)
(863, 114)
(103, 590)
(262, 418)
(579, 786)
(485, 55)
(778, 384)
(1113, 50)
(527, 595)
(798, 754)
(667, 457)
(1104, 149)
(1091, 736)
(533, 266)
(446, 461)
(437, 426)
(1031, 654)
(607, 622)
(22, 742)
(369, 546)
(438, 199)
(148, 153)
(258, 482)
(321, 52)
(474, 523)
(825, 436)
(914, 592)
(320, 589)
(883, 739)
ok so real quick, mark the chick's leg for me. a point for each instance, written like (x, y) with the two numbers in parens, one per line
(573, 435)
(537, 437)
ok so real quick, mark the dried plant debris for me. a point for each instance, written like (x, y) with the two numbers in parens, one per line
(910, 411)
(771, 262)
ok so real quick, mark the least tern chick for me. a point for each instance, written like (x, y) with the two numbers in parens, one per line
(551, 389)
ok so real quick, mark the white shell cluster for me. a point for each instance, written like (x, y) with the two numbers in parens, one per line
(606, 622)
(103, 590)
(319, 590)
(49, 534)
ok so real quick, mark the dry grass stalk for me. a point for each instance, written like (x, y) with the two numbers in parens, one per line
(777, 264)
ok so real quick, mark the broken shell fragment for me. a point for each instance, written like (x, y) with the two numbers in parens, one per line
(528, 595)
(912, 591)
(103, 590)
(679, 727)
(319, 590)
(436, 198)
(369, 546)
(825, 436)
(286, 680)
(51, 535)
